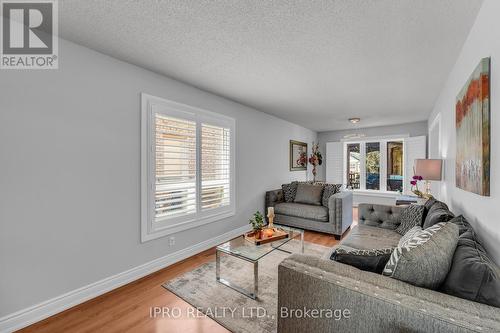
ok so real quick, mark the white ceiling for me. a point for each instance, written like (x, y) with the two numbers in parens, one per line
(312, 63)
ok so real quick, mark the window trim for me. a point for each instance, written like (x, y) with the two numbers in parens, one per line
(382, 140)
(149, 229)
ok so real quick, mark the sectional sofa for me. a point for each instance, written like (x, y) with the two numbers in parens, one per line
(369, 302)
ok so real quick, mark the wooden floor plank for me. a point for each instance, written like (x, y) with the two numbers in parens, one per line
(127, 309)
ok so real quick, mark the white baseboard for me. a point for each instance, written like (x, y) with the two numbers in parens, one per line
(35, 313)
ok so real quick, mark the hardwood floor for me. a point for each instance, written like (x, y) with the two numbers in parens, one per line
(127, 309)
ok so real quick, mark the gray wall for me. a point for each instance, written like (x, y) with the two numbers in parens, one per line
(482, 212)
(412, 129)
(70, 168)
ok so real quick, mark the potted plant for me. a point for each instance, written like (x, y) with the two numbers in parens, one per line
(257, 223)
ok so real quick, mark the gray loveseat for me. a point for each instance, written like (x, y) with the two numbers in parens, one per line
(335, 218)
(366, 301)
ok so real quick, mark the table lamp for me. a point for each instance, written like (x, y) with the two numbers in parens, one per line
(430, 170)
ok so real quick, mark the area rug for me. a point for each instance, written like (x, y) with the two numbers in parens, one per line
(234, 311)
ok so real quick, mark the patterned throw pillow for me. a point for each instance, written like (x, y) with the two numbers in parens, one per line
(373, 260)
(328, 191)
(289, 191)
(409, 235)
(424, 259)
(410, 217)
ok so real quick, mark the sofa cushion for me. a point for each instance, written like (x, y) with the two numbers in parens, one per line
(373, 260)
(425, 259)
(429, 203)
(438, 212)
(473, 275)
(309, 194)
(318, 213)
(462, 223)
(365, 237)
(410, 217)
(382, 216)
(328, 191)
(289, 191)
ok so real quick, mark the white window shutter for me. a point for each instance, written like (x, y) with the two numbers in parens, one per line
(175, 166)
(414, 148)
(215, 166)
(334, 162)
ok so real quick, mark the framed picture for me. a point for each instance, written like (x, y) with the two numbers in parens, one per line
(298, 155)
(472, 112)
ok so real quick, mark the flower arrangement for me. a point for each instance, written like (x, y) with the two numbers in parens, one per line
(315, 159)
(414, 185)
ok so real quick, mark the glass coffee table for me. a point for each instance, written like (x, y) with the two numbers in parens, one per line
(248, 251)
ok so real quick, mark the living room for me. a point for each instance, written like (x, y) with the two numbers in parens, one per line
(243, 166)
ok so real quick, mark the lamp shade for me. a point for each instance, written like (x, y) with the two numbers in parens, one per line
(429, 169)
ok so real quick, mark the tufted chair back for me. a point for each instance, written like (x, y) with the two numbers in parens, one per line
(381, 216)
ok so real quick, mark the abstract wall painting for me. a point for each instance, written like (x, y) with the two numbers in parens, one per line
(472, 120)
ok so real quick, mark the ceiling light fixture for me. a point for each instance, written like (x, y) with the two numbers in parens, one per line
(354, 120)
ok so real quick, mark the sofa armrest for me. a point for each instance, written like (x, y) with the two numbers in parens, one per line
(382, 216)
(369, 302)
(340, 211)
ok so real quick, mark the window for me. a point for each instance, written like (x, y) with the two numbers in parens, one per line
(394, 166)
(187, 167)
(372, 165)
(375, 165)
(353, 166)
(215, 166)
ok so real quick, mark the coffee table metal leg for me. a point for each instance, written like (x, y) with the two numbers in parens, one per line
(217, 265)
(233, 286)
(255, 278)
(302, 241)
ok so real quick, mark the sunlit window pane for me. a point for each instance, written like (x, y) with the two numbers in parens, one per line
(353, 165)
(372, 163)
(395, 166)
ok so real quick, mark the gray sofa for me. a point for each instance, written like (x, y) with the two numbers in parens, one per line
(374, 303)
(334, 219)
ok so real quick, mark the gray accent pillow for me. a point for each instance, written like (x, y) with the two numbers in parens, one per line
(366, 260)
(289, 191)
(328, 191)
(410, 217)
(473, 275)
(309, 194)
(425, 259)
(438, 212)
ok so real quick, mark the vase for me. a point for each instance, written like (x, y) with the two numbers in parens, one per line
(314, 173)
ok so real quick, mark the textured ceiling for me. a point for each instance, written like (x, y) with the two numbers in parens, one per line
(313, 63)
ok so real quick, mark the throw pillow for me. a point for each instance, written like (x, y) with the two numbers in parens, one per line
(289, 191)
(328, 191)
(439, 212)
(410, 217)
(309, 194)
(366, 260)
(425, 259)
(463, 224)
(473, 275)
(428, 204)
(409, 235)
